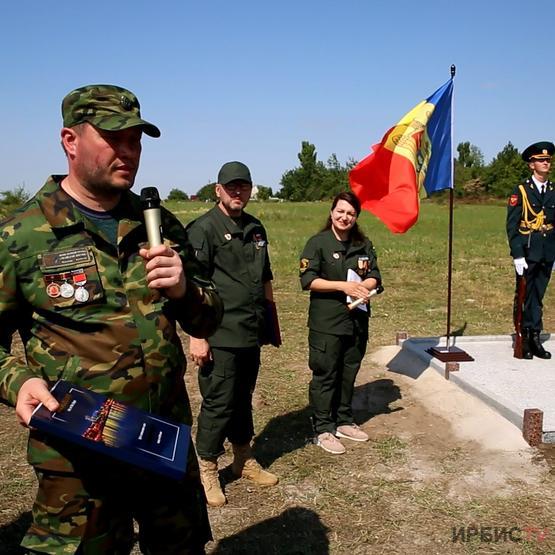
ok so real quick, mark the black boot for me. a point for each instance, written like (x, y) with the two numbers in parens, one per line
(536, 346)
(526, 340)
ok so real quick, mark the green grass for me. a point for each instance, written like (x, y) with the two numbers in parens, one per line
(390, 449)
(413, 266)
(405, 490)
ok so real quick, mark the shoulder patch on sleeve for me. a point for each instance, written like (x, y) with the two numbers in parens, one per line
(513, 200)
(304, 265)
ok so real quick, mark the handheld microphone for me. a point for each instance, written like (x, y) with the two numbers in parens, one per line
(150, 201)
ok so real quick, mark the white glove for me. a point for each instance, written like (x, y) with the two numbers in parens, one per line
(520, 265)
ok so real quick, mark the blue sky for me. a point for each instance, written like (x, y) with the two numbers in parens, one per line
(250, 80)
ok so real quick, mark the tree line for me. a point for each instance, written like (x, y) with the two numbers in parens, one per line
(317, 180)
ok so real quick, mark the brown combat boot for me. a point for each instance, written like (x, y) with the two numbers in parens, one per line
(244, 465)
(211, 482)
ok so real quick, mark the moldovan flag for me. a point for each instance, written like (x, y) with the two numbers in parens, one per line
(415, 153)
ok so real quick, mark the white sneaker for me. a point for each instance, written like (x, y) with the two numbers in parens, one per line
(328, 442)
(351, 431)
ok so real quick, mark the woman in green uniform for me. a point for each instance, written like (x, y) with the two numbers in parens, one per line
(338, 266)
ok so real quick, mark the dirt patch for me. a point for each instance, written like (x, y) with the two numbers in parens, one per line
(490, 451)
(438, 462)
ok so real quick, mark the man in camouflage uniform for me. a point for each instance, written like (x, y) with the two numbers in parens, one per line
(234, 248)
(94, 308)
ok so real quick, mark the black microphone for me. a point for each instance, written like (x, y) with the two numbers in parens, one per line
(150, 201)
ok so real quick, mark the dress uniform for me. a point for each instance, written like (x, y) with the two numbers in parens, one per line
(234, 252)
(531, 236)
(337, 336)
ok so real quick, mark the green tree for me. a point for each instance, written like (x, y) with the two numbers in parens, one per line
(304, 182)
(314, 180)
(335, 178)
(10, 200)
(178, 195)
(470, 156)
(505, 172)
(264, 193)
(469, 170)
(208, 192)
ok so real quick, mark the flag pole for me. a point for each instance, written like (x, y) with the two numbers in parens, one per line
(450, 353)
(450, 242)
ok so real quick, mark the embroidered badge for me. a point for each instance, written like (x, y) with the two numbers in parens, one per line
(336, 255)
(513, 200)
(362, 265)
(304, 265)
(258, 240)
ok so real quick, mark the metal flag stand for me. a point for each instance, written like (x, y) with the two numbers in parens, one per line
(450, 353)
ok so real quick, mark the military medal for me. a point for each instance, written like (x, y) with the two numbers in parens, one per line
(66, 290)
(80, 279)
(53, 290)
(81, 295)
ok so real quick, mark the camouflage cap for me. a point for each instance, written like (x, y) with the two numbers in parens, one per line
(234, 171)
(107, 107)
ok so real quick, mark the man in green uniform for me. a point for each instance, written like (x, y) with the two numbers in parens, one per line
(530, 221)
(94, 308)
(233, 247)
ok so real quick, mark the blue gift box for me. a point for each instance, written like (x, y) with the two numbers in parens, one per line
(121, 431)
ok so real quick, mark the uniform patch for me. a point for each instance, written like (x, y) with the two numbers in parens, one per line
(258, 240)
(362, 265)
(304, 265)
(513, 200)
(60, 259)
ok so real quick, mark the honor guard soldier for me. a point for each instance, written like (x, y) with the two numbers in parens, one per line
(530, 220)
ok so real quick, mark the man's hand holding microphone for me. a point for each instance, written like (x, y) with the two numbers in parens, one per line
(163, 265)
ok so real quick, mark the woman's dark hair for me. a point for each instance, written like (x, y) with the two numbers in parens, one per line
(357, 236)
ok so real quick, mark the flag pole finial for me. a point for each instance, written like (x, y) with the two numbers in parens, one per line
(453, 70)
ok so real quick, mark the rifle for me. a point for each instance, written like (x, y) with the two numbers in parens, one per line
(520, 297)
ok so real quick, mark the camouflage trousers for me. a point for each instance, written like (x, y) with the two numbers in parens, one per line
(91, 511)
